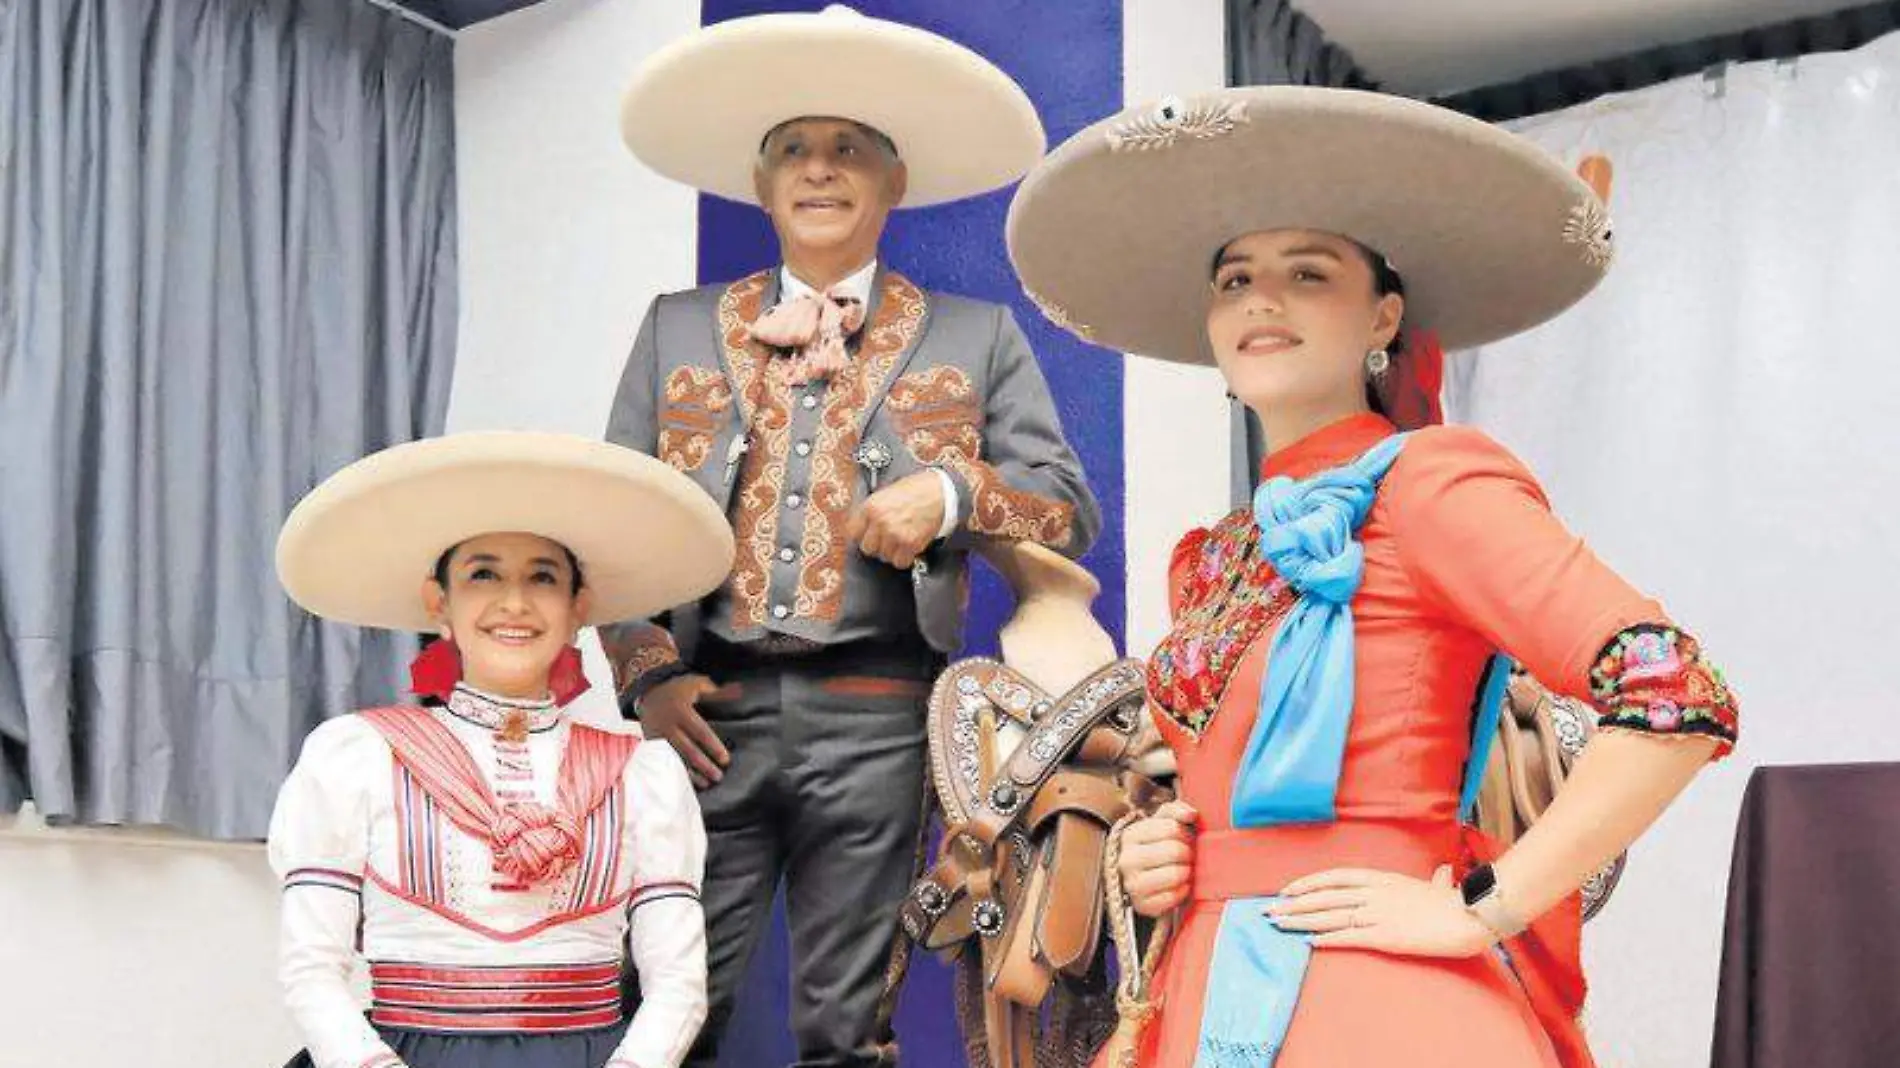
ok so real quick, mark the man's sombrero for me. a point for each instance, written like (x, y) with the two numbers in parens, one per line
(699, 108)
(1114, 234)
(358, 547)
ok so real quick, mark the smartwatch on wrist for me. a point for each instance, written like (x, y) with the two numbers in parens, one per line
(1484, 898)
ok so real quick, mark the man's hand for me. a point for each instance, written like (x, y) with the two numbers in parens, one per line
(897, 523)
(671, 711)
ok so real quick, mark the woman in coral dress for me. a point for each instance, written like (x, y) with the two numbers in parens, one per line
(1323, 684)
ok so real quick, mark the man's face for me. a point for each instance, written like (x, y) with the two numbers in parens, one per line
(828, 185)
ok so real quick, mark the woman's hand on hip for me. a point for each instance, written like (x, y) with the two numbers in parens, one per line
(1351, 908)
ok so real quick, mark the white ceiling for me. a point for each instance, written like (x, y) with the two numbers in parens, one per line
(1430, 47)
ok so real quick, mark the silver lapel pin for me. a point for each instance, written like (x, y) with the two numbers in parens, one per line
(874, 457)
(735, 455)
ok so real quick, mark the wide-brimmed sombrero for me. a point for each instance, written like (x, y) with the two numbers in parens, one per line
(698, 109)
(1115, 233)
(357, 548)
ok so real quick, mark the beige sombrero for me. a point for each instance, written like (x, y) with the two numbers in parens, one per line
(698, 108)
(358, 547)
(1114, 234)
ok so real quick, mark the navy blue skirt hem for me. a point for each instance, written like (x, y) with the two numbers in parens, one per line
(430, 1049)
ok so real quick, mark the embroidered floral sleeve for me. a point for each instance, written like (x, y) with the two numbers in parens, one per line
(996, 433)
(643, 656)
(999, 511)
(1653, 678)
(942, 422)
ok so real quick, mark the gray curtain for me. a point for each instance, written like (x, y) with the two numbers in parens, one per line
(227, 229)
(1554, 90)
(1269, 42)
(461, 14)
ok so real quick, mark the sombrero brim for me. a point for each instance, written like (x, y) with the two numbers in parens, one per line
(1114, 234)
(358, 547)
(698, 109)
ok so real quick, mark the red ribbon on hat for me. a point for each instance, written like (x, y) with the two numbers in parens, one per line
(435, 671)
(1413, 383)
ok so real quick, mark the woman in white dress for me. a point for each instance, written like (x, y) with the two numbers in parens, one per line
(493, 860)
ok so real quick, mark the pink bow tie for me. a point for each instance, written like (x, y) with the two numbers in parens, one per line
(815, 328)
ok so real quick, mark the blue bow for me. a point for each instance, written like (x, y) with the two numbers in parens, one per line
(1308, 532)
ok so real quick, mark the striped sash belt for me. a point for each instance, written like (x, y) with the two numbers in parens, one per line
(463, 999)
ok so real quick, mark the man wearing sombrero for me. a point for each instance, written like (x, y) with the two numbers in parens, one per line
(861, 433)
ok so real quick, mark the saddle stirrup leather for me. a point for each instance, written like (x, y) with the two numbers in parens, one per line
(1030, 787)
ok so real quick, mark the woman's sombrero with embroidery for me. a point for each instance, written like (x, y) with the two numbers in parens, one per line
(699, 108)
(357, 548)
(1114, 234)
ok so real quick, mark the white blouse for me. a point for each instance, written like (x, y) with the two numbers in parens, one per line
(357, 842)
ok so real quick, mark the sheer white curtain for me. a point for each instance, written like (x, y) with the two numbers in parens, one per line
(1719, 419)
